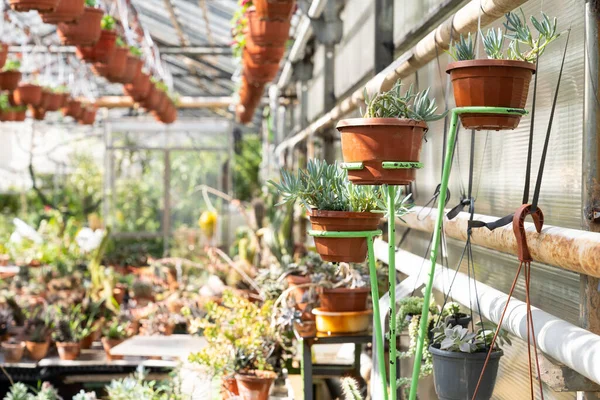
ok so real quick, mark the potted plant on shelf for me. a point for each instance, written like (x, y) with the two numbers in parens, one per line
(88, 114)
(13, 350)
(20, 113)
(10, 75)
(458, 358)
(86, 30)
(68, 332)
(217, 360)
(114, 334)
(67, 11)
(34, 5)
(392, 130)
(501, 80)
(103, 49)
(38, 327)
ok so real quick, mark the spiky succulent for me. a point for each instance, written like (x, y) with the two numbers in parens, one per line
(462, 49)
(520, 34)
(493, 43)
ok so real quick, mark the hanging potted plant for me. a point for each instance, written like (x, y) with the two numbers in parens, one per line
(116, 67)
(3, 54)
(103, 49)
(28, 94)
(86, 31)
(139, 88)
(458, 359)
(152, 97)
(6, 111)
(33, 5)
(391, 131)
(133, 66)
(275, 9)
(38, 327)
(169, 115)
(114, 334)
(266, 32)
(10, 75)
(88, 115)
(20, 113)
(72, 108)
(501, 80)
(67, 11)
(258, 73)
(52, 99)
(68, 332)
(263, 54)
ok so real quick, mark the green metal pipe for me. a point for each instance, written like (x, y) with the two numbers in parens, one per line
(391, 199)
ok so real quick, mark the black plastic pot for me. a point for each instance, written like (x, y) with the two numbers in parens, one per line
(455, 375)
(460, 319)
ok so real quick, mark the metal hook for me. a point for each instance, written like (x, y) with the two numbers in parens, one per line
(519, 229)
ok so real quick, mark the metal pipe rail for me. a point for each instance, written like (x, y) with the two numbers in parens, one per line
(569, 344)
(571, 249)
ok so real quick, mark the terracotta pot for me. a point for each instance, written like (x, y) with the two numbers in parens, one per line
(229, 387)
(337, 249)
(152, 98)
(115, 68)
(139, 89)
(72, 108)
(68, 351)
(490, 83)
(39, 114)
(85, 32)
(244, 114)
(265, 32)
(88, 116)
(169, 115)
(28, 94)
(251, 93)
(298, 294)
(87, 342)
(119, 295)
(13, 352)
(342, 322)
(102, 50)
(275, 9)
(51, 101)
(20, 115)
(67, 11)
(344, 299)
(375, 140)
(3, 54)
(37, 351)
(108, 344)
(133, 68)
(36, 5)
(263, 54)
(255, 385)
(9, 80)
(261, 74)
(7, 116)
(162, 103)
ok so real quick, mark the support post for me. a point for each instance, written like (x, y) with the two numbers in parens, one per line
(391, 200)
(384, 34)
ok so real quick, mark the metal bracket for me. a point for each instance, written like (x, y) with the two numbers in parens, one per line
(402, 165)
(352, 166)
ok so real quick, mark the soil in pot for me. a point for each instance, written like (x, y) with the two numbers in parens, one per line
(265, 32)
(108, 344)
(490, 83)
(343, 250)
(275, 9)
(342, 322)
(229, 387)
(34, 5)
(100, 52)
(13, 351)
(255, 385)
(68, 351)
(3, 54)
(344, 299)
(67, 11)
(373, 141)
(28, 95)
(37, 351)
(85, 32)
(9, 80)
(456, 374)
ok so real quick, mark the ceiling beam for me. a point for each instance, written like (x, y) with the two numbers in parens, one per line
(211, 102)
(220, 50)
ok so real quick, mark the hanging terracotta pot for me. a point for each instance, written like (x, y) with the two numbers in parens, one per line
(139, 88)
(85, 32)
(263, 54)
(88, 116)
(275, 9)
(133, 68)
(9, 80)
(34, 5)
(20, 115)
(51, 101)
(490, 83)
(344, 299)
(343, 250)
(152, 98)
(243, 114)
(3, 54)
(72, 109)
(116, 66)
(169, 115)
(265, 32)
(262, 74)
(28, 94)
(255, 385)
(67, 11)
(250, 93)
(7, 115)
(373, 141)
(38, 113)
(68, 351)
(100, 52)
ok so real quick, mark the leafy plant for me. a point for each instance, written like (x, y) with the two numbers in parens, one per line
(395, 104)
(18, 391)
(4, 103)
(520, 34)
(135, 51)
(120, 42)
(459, 339)
(69, 325)
(38, 325)
(108, 23)
(116, 330)
(82, 395)
(12, 65)
(463, 49)
(90, 3)
(6, 320)
(493, 43)
(46, 392)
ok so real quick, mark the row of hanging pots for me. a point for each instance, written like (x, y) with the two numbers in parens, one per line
(85, 31)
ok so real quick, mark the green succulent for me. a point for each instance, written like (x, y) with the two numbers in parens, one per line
(108, 23)
(520, 34)
(18, 391)
(463, 49)
(12, 65)
(135, 51)
(493, 43)
(90, 3)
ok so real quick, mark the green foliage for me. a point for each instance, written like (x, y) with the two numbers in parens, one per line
(246, 168)
(12, 65)
(395, 104)
(4, 103)
(90, 3)
(46, 391)
(18, 391)
(120, 42)
(108, 23)
(115, 330)
(135, 51)
(159, 84)
(451, 308)
(493, 43)
(135, 387)
(69, 325)
(520, 34)
(239, 22)
(459, 339)
(463, 49)
(38, 325)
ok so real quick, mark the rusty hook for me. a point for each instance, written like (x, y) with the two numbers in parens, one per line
(519, 229)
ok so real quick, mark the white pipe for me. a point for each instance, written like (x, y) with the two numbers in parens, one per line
(569, 344)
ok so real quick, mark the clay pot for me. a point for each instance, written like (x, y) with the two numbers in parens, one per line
(275, 9)
(13, 352)
(251, 93)
(152, 98)
(255, 385)
(7, 116)
(109, 344)
(3, 54)
(51, 101)
(133, 68)
(9, 80)
(28, 94)
(490, 83)
(85, 32)
(261, 74)
(119, 295)
(298, 294)
(101, 51)
(72, 109)
(87, 342)
(373, 141)
(169, 115)
(36, 5)
(68, 351)
(37, 351)
(139, 89)
(38, 113)
(343, 249)
(67, 11)
(229, 387)
(115, 68)
(265, 32)
(244, 114)
(342, 322)
(88, 116)
(344, 299)
(263, 54)
(20, 115)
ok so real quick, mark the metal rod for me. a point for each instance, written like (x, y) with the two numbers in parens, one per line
(391, 200)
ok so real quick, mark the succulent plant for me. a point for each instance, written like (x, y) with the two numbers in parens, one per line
(18, 391)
